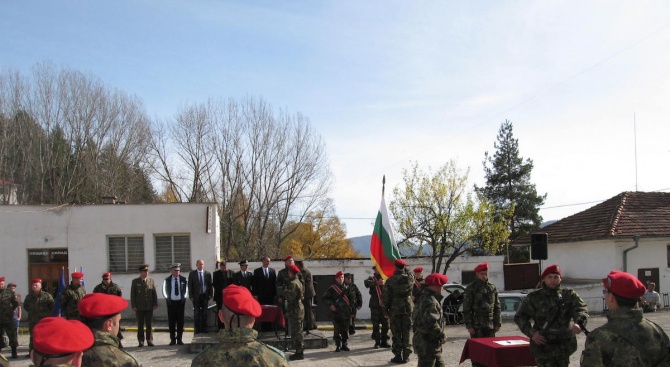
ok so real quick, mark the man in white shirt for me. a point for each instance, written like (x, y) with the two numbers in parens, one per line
(175, 292)
(651, 300)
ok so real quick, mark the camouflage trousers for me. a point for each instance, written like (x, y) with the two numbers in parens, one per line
(556, 354)
(379, 321)
(10, 329)
(401, 325)
(297, 336)
(340, 330)
(562, 361)
(428, 351)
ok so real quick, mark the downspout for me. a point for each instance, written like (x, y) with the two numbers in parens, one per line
(636, 238)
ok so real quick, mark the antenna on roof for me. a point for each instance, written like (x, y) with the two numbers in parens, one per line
(635, 137)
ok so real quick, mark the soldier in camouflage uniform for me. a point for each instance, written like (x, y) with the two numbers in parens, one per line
(38, 304)
(102, 314)
(338, 298)
(8, 302)
(481, 306)
(378, 317)
(309, 323)
(628, 339)
(283, 279)
(419, 282)
(398, 305)
(60, 342)
(428, 322)
(237, 342)
(107, 286)
(294, 294)
(358, 303)
(71, 296)
(552, 309)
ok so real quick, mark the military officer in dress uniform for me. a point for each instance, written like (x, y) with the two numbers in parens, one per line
(175, 292)
(556, 313)
(237, 342)
(627, 339)
(144, 300)
(102, 314)
(220, 280)
(60, 342)
(428, 322)
(38, 304)
(71, 296)
(244, 277)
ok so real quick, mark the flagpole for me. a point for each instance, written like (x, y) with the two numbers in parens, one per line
(383, 184)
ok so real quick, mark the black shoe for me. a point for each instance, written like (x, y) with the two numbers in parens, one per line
(297, 356)
(337, 349)
(385, 345)
(345, 348)
(352, 330)
(397, 359)
(150, 344)
(376, 345)
(173, 342)
(141, 344)
(179, 342)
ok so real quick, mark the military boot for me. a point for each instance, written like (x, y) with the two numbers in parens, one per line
(297, 356)
(337, 346)
(405, 357)
(376, 344)
(15, 355)
(345, 347)
(385, 344)
(397, 359)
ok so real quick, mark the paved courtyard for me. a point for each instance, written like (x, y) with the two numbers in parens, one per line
(361, 354)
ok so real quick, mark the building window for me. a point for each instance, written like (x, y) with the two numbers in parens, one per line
(126, 254)
(668, 252)
(173, 249)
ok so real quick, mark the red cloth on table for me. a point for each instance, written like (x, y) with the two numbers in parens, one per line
(486, 351)
(272, 314)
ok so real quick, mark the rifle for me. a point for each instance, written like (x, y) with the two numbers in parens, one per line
(552, 315)
(580, 322)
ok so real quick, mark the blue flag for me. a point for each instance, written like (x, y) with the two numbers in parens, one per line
(58, 309)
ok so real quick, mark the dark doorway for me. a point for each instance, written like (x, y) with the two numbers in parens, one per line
(649, 275)
(321, 285)
(47, 265)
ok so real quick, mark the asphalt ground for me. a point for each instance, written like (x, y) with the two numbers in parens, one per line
(362, 352)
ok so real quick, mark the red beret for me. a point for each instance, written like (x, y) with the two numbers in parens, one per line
(2, 279)
(54, 336)
(551, 269)
(418, 269)
(624, 285)
(239, 300)
(294, 269)
(36, 280)
(289, 257)
(436, 279)
(77, 275)
(339, 273)
(107, 275)
(399, 263)
(482, 267)
(101, 305)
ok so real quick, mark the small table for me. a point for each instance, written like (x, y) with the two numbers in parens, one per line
(272, 314)
(501, 351)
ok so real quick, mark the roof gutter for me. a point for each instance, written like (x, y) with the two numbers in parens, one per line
(636, 238)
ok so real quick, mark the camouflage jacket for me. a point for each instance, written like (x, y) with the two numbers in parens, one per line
(282, 281)
(309, 283)
(238, 347)
(112, 288)
(38, 306)
(8, 302)
(538, 306)
(358, 303)
(69, 300)
(627, 339)
(427, 318)
(106, 353)
(294, 294)
(481, 306)
(335, 296)
(416, 288)
(397, 298)
(375, 291)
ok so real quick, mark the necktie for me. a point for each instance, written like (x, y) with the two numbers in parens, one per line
(266, 272)
(202, 284)
(176, 287)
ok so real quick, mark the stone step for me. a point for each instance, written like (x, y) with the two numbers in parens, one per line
(314, 340)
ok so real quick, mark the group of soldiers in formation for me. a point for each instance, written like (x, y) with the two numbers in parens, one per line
(405, 304)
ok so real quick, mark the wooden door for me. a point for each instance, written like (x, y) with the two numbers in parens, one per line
(649, 275)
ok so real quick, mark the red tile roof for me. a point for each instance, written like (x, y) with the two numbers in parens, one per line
(625, 215)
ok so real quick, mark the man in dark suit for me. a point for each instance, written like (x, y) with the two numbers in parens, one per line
(221, 279)
(264, 283)
(175, 291)
(244, 277)
(200, 291)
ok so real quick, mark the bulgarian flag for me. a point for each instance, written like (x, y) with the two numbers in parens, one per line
(383, 249)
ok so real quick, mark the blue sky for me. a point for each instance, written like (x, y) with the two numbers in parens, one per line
(390, 82)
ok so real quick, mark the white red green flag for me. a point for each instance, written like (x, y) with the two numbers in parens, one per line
(383, 249)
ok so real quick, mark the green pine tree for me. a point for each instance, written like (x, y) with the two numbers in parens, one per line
(509, 188)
